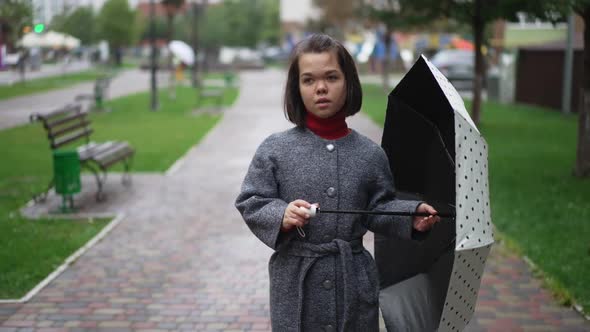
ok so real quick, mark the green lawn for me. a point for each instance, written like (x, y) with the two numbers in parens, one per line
(537, 205)
(47, 83)
(30, 250)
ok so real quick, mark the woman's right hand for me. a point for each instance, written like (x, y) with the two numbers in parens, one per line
(294, 216)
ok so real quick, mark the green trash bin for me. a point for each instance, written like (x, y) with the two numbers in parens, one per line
(66, 175)
(229, 79)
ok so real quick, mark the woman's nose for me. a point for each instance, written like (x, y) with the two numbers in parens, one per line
(321, 87)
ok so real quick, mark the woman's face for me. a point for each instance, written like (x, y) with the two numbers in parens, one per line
(321, 83)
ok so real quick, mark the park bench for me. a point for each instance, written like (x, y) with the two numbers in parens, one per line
(101, 86)
(71, 125)
(215, 93)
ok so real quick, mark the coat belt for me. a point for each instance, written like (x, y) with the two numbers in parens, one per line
(336, 247)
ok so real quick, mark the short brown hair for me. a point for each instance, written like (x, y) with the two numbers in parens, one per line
(319, 43)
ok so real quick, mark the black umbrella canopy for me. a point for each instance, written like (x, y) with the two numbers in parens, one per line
(419, 139)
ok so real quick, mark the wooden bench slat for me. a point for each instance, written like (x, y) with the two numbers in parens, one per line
(90, 150)
(112, 151)
(83, 149)
(78, 115)
(52, 134)
(123, 152)
(56, 143)
(67, 109)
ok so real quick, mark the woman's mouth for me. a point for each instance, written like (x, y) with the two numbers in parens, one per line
(323, 102)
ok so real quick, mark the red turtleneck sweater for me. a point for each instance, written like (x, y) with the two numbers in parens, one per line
(331, 128)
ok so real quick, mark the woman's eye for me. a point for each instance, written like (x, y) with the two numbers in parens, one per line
(332, 78)
(307, 81)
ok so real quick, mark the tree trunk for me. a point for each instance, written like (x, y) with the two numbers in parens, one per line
(583, 153)
(478, 28)
(171, 81)
(199, 16)
(385, 66)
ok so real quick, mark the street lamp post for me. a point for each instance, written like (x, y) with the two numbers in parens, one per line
(153, 58)
(197, 10)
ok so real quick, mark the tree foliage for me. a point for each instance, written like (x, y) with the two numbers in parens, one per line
(478, 14)
(80, 23)
(172, 7)
(16, 14)
(336, 15)
(115, 23)
(239, 23)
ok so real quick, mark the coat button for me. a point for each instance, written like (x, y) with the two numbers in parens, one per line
(327, 284)
(329, 328)
(330, 147)
(331, 192)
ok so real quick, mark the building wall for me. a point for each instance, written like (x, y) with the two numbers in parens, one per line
(298, 11)
(294, 16)
(539, 78)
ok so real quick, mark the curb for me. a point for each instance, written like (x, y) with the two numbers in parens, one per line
(71, 259)
(574, 306)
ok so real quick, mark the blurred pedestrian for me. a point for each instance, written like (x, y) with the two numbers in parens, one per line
(321, 277)
(23, 59)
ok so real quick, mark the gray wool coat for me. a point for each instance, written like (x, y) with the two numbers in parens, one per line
(325, 281)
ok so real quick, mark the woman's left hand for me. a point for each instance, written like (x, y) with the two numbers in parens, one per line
(423, 224)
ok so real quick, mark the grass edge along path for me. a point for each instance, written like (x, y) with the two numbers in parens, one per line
(160, 138)
(44, 84)
(538, 207)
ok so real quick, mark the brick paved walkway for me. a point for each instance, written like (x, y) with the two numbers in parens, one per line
(183, 260)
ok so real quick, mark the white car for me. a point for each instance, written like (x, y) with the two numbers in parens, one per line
(10, 59)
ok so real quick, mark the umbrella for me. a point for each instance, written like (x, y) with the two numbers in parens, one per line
(31, 39)
(182, 51)
(71, 42)
(436, 154)
(462, 44)
(54, 39)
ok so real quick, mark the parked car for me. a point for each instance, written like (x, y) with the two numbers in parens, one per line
(10, 59)
(458, 66)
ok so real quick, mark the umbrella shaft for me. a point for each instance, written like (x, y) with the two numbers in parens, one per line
(388, 213)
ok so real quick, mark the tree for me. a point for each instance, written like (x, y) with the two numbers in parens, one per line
(270, 31)
(172, 7)
(213, 31)
(477, 13)
(582, 169)
(113, 25)
(143, 26)
(336, 14)
(15, 15)
(558, 11)
(241, 23)
(71, 23)
(389, 15)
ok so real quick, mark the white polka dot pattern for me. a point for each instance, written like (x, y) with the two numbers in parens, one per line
(473, 218)
(463, 288)
(474, 224)
(450, 92)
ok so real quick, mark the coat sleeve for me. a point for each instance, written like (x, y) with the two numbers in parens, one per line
(382, 197)
(259, 202)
